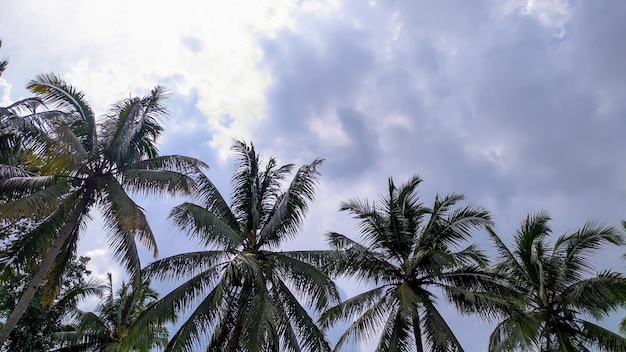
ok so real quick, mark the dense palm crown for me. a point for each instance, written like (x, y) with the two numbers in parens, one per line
(247, 292)
(407, 251)
(107, 329)
(87, 163)
(558, 287)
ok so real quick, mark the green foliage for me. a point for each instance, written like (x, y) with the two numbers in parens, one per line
(558, 286)
(39, 325)
(82, 164)
(109, 327)
(410, 252)
(246, 296)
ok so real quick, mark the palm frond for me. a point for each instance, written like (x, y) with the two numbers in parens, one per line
(312, 338)
(71, 144)
(358, 261)
(125, 222)
(352, 306)
(54, 276)
(132, 127)
(315, 286)
(205, 226)
(322, 259)
(582, 247)
(36, 242)
(602, 338)
(288, 212)
(8, 171)
(167, 308)
(371, 224)
(157, 182)
(56, 92)
(368, 322)
(201, 319)
(514, 333)
(185, 265)
(438, 333)
(34, 196)
(211, 199)
(598, 296)
(396, 335)
(246, 202)
(259, 324)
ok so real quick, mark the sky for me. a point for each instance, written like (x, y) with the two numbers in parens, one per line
(518, 104)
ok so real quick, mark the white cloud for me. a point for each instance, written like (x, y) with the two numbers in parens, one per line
(491, 99)
(5, 88)
(116, 48)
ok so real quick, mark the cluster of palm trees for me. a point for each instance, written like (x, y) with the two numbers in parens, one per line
(241, 292)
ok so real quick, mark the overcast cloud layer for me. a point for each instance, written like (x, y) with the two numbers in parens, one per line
(521, 105)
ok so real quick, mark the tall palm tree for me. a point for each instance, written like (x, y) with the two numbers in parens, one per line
(247, 293)
(108, 329)
(410, 253)
(88, 163)
(558, 288)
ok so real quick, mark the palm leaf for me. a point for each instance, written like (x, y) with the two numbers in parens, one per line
(396, 334)
(207, 227)
(598, 296)
(602, 338)
(312, 338)
(185, 265)
(437, 331)
(56, 92)
(288, 212)
(367, 324)
(201, 319)
(40, 195)
(125, 222)
(315, 286)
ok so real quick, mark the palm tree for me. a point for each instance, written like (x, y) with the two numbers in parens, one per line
(247, 293)
(408, 251)
(558, 287)
(37, 329)
(108, 329)
(86, 163)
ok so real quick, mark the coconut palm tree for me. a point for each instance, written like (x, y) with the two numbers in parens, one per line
(410, 253)
(558, 288)
(108, 329)
(37, 329)
(85, 164)
(247, 294)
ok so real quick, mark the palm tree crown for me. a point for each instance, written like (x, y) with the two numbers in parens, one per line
(557, 287)
(108, 329)
(407, 250)
(85, 163)
(247, 293)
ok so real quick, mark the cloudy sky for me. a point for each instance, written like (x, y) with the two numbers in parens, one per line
(519, 104)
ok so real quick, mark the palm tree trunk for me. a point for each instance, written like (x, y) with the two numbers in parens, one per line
(45, 265)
